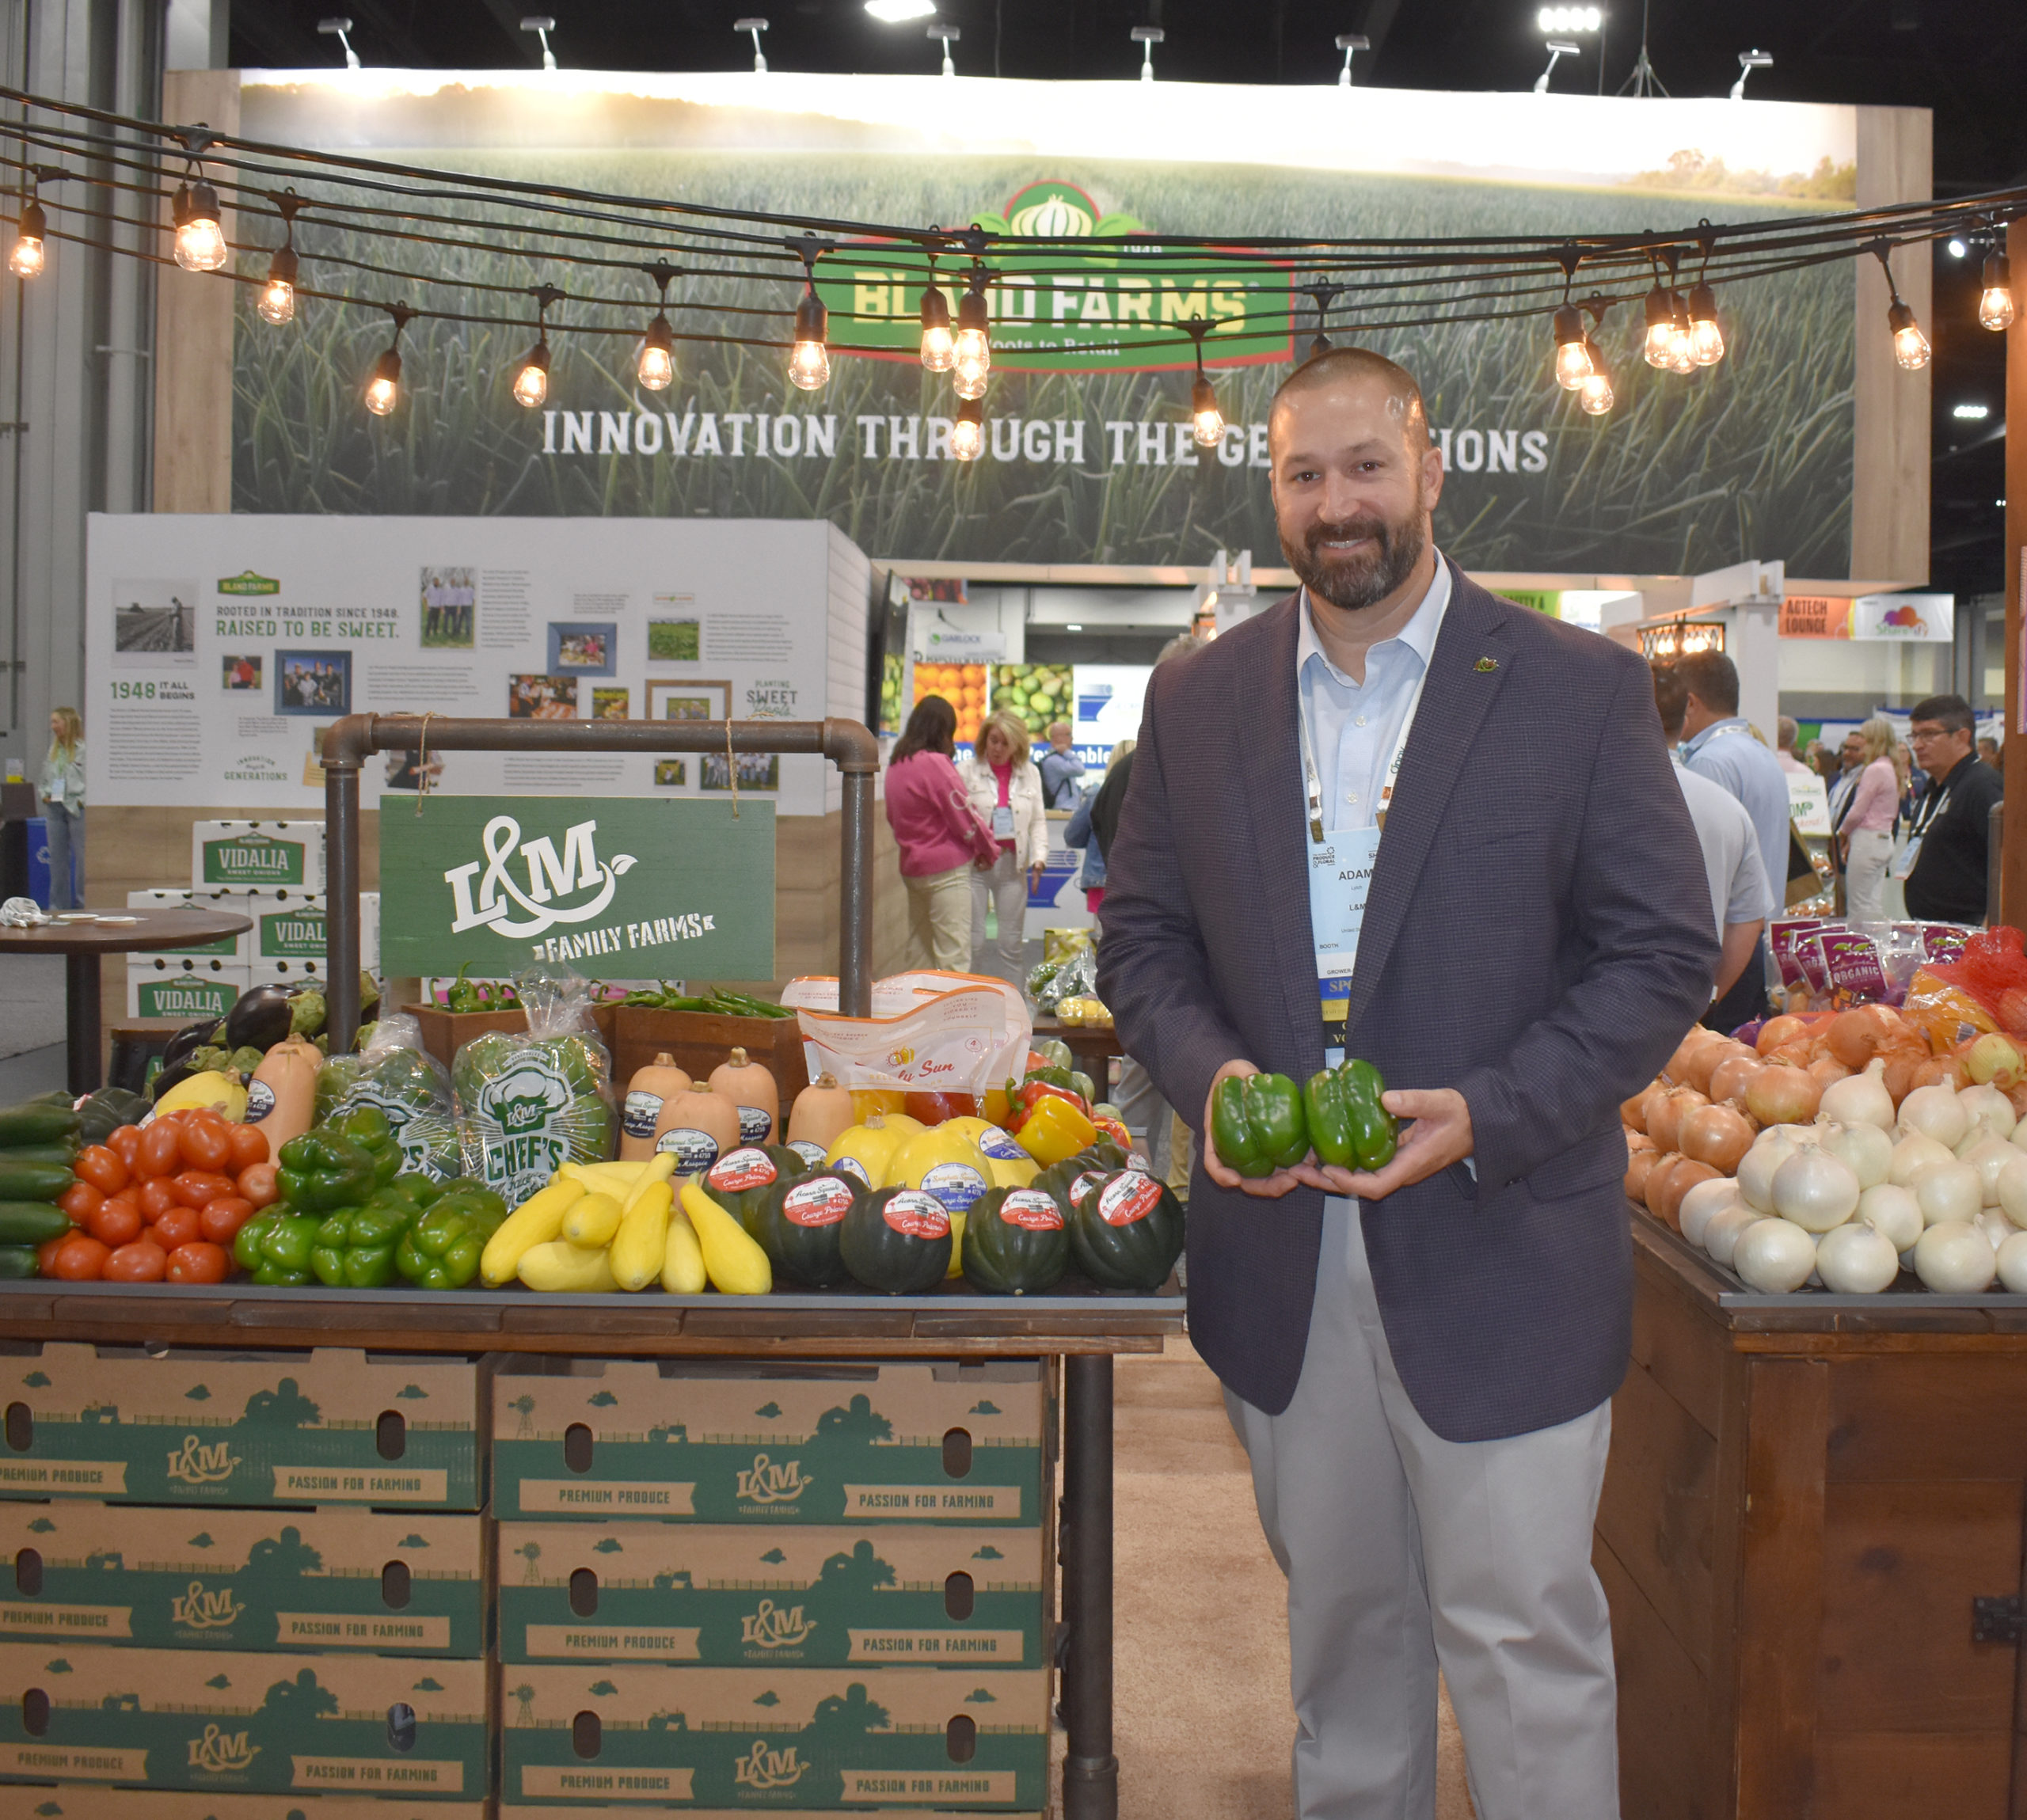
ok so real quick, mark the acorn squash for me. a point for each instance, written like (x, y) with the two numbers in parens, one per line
(897, 1240)
(1016, 1241)
(1126, 1231)
(798, 1221)
(742, 1179)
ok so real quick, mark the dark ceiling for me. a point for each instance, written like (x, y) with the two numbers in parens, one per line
(1966, 60)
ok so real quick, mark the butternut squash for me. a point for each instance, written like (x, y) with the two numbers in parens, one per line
(281, 1098)
(822, 1114)
(645, 1093)
(699, 1126)
(751, 1087)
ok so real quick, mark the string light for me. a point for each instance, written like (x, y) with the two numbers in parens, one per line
(383, 389)
(973, 354)
(1572, 355)
(1596, 393)
(1995, 303)
(1681, 346)
(277, 300)
(1208, 421)
(1659, 346)
(654, 366)
(26, 258)
(1322, 344)
(200, 241)
(531, 383)
(1910, 346)
(967, 434)
(809, 365)
(1706, 339)
(939, 352)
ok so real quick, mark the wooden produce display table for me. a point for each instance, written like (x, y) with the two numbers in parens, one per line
(1811, 1536)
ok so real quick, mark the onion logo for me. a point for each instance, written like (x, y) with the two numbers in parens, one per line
(1052, 211)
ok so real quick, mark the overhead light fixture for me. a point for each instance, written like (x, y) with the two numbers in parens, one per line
(967, 434)
(1074, 628)
(1682, 344)
(949, 34)
(1347, 42)
(340, 29)
(1971, 413)
(276, 302)
(753, 28)
(1956, 247)
(971, 354)
(1995, 301)
(383, 389)
(654, 366)
(1910, 346)
(1659, 346)
(939, 352)
(1147, 37)
(809, 364)
(1596, 393)
(1569, 19)
(1706, 335)
(1558, 49)
(1748, 61)
(531, 383)
(541, 25)
(1206, 419)
(1573, 353)
(199, 240)
(26, 258)
(900, 11)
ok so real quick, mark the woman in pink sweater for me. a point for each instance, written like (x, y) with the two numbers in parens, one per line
(1865, 828)
(941, 838)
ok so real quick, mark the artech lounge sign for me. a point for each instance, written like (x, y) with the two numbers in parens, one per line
(619, 888)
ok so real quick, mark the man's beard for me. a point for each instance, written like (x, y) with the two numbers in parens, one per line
(1366, 577)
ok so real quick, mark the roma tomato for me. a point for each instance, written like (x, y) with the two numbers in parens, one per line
(220, 1221)
(207, 1143)
(161, 1149)
(45, 1254)
(125, 1143)
(177, 1227)
(103, 1169)
(195, 1186)
(157, 1198)
(249, 1145)
(256, 1186)
(117, 1221)
(143, 1261)
(198, 1263)
(81, 1200)
(80, 1258)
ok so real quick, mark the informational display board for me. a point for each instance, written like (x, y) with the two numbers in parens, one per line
(620, 888)
(218, 649)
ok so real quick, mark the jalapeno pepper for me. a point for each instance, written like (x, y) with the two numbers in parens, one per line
(1348, 1126)
(324, 1170)
(1256, 1123)
(463, 994)
(441, 1249)
(356, 1246)
(275, 1246)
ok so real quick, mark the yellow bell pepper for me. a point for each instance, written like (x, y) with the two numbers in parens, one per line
(1054, 1129)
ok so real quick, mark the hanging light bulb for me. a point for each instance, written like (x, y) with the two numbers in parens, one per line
(531, 383)
(810, 365)
(200, 241)
(1209, 420)
(1595, 392)
(1572, 360)
(1995, 303)
(1706, 338)
(277, 303)
(383, 390)
(1320, 346)
(1660, 346)
(1682, 345)
(972, 355)
(26, 258)
(939, 352)
(1910, 346)
(655, 366)
(967, 434)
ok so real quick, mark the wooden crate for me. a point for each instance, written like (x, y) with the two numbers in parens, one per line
(697, 1041)
(1802, 1501)
(444, 1032)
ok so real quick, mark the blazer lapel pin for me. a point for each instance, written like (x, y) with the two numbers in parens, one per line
(1488, 663)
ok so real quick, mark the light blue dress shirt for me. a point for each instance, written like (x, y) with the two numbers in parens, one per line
(1726, 753)
(1353, 726)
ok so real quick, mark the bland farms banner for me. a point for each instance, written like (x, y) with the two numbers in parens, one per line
(620, 888)
(1088, 455)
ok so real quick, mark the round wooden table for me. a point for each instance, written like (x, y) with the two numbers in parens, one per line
(83, 944)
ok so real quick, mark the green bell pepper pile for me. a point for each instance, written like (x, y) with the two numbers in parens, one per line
(356, 1246)
(1256, 1123)
(410, 1089)
(1348, 1126)
(274, 1247)
(440, 1248)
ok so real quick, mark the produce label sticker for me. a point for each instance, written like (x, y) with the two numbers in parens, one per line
(740, 1170)
(917, 1215)
(811, 1153)
(693, 1149)
(638, 1116)
(1032, 1210)
(957, 1185)
(1000, 1148)
(755, 1123)
(518, 1115)
(1128, 1197)
(823, 1203)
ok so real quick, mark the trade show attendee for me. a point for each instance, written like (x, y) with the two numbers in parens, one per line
(1850, 761)
(1734, 872)
(1060, 769)
(1948, 844)
(1788, 730)
(1864, 832)
(1988, 753)
(1005, 790)
(1419, 1360)
(1717, 744)
(1083, 837)
(62, 789)
(941, 838)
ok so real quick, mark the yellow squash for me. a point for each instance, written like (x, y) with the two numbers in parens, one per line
(591, 1221)
(212, 1088)
(537, 1220)
(558, 1267)
(737, 1265)
(946, 1162)
(682, 1262)
(639, 1248)
(867, 1149)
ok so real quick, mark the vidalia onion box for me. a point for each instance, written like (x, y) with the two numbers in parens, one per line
(940, 1443)
(394, 1582)
(745, 1595)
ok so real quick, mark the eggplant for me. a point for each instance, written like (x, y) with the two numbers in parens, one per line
(191, 1036)
(259, 1020)
(170, 1076)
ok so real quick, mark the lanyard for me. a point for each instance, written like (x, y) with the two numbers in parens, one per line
(1932, 806)
(1313, 777)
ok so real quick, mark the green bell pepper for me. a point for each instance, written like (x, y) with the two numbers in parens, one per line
(275, 1246)
(356, 1246)
(368, 1127)
(441, 1249)
(1347, 1125)
(324, 1170)
(1256, 1123)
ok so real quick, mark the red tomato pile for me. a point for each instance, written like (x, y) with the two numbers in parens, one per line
(162, 1205)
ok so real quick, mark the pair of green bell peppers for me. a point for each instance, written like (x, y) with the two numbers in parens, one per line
(338, 1165)
(441, 1249)
(356, 1246)
(1263, 1123)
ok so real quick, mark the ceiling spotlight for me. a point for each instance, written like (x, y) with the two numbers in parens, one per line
(1956, 247)
(1569, 19)
(339, 29)
(949, 34)
(1347, 42)
(1572, 357)
(1073, 628)
(1971, 413)
(1147, 37)
(1748, 61)
(542, 25)
(967, 434)
(199, 240)
(900, 11)
(1558, 49)
(754, 27)
(1995, 302)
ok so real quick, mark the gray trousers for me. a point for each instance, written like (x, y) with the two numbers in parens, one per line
(1403, 1551)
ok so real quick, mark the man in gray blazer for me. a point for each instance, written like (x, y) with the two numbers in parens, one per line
(1397, 816)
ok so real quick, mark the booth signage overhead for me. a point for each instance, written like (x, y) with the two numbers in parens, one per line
(1088, 455)
(1873, 618)
(624, 888)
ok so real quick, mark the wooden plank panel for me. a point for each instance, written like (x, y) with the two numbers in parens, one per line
(1680, 1345)
(1911, 1775)
(1655, 1512)
(1663, 1708)
(1901, 1564)
(1780, 1621)
(1926, 1418)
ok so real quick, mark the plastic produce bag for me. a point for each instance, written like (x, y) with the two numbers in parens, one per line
(396, 1075)
(527, 1105)
(929, 1032)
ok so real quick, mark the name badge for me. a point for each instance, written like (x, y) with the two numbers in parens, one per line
(1902, 865)
(1003, 822)
(1339, 875)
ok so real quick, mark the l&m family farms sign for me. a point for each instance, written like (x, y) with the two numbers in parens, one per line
(618, 888)
(1088, 455)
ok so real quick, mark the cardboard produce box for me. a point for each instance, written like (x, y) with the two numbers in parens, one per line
(80, 1801)
(192, 1427)
(944, 1442)
(391, 1583)
(445, 1032)
(245, 855)
(743, 1596)
(697, 1041)
(185, 987)
(624, 1810)
(742, 1738)
(351, 1725)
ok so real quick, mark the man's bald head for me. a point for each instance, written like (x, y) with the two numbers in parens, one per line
(1352, 366)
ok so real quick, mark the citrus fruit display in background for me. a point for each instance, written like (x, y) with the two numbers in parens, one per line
(1038, 693)
(963, 686)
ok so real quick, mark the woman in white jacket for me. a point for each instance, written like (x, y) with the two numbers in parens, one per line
(1006, 789)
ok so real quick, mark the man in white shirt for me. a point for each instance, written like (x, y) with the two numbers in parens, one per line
(1788, 733)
